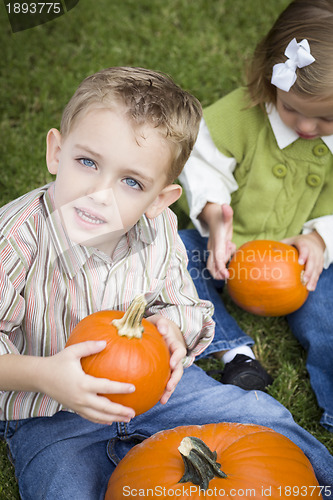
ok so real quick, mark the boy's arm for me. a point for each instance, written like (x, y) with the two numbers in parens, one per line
(12, 304)
(61, 377)
(179, 302)
(177, 347)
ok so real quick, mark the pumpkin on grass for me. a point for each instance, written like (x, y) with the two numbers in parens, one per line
(214, 461)
(135, 353)
(265, 278)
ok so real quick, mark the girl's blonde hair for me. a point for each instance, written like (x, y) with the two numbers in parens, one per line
(147, 97)
(310, 19)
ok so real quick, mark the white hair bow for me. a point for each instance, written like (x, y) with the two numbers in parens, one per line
(284, 74)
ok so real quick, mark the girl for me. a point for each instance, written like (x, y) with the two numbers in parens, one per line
(262, 168)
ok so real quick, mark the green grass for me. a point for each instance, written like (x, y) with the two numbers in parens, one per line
(202, 44)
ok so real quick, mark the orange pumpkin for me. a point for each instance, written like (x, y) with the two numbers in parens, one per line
(265, 278)
(214, 461)
(135, 352)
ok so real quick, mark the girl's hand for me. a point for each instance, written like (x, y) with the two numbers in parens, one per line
(311, 248)
(220, 246)
(63, 378)
(176, 344)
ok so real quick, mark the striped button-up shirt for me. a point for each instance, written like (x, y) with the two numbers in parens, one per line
(47, 285)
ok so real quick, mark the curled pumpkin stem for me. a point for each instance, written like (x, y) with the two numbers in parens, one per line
(130, 325)
(200, 462)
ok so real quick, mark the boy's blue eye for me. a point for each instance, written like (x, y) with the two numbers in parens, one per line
(132, 183)
(87, 163)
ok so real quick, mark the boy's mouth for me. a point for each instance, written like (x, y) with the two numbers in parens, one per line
(89, 217)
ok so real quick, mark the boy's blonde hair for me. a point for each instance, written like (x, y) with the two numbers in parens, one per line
(148, 97)
(310, 19)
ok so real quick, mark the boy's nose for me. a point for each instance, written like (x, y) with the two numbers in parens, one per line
(101, 196)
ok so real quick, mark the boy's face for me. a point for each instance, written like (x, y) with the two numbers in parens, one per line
(309, 119)
(108, 175)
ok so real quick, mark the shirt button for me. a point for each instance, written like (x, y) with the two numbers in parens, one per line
(313, 180)
(320, 150)
(279, 170)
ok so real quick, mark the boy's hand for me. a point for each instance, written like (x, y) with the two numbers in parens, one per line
(63, 378)
(176, 344)
(311, 248)
(220, 246)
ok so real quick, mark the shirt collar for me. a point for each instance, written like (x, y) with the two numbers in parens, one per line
(71, 256)
(145, 230)
(74, 256)
(284, 135)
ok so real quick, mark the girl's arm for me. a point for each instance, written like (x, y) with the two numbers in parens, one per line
(207, 178)
(311, 248)
(208, 182)
(315, 248)
(219, 220)
(324, 227)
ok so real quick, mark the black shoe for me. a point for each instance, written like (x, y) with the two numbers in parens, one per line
(246, 373)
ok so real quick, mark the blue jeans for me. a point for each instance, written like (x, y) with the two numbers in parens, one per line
(312, 324)
(67, 457)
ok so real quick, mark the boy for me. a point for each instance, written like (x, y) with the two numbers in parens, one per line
(92, 240)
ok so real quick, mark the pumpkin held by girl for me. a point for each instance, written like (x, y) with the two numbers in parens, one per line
(265, 278)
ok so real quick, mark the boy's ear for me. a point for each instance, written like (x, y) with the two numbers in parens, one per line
(53, 148)
(167, 196)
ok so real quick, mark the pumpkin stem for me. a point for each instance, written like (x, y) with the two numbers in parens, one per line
(130, 325)
(200, 462)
